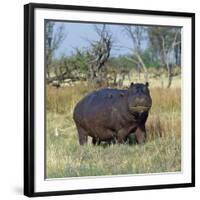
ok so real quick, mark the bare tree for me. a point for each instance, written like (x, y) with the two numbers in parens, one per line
(54, 37)
(165, 40)
(167, 52)
(99, 52)
(137, 35)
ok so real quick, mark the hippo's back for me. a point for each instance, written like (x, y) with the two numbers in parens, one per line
(96, 105)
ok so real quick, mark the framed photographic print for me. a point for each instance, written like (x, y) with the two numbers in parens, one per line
(108, 99)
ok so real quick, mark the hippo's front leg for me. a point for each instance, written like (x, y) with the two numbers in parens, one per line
(122, 135)
(140, 134)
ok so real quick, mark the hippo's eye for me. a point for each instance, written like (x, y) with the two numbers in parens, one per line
(144, 89)
(134, 89)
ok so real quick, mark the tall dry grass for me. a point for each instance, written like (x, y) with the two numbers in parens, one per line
(65, 157)
(164, 117)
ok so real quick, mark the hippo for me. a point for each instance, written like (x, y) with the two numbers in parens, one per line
(113, 114)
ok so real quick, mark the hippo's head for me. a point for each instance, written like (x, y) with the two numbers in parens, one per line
(139, 99)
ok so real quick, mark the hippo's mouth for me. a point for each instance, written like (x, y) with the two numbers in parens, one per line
(139, 108)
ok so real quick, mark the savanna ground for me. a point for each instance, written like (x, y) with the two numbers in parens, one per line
(66, 158)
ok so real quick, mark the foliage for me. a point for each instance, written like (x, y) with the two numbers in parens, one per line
(120, 63)
(54, 37)
(150, 58)
(152, 49)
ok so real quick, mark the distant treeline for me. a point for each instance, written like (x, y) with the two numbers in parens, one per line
(155, 50)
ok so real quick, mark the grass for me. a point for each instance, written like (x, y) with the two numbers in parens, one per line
(66, 158)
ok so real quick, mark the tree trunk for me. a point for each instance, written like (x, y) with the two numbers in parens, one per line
(115, 78)
(138, 70)
(92, 72)
(162, 81)
(48, 73)
(146, 77)
(169, 75)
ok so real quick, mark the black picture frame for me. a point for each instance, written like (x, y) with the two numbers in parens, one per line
(29, 95)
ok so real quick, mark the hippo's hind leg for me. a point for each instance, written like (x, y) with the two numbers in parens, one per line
(96, 141)
(140, 134)
(82, 135)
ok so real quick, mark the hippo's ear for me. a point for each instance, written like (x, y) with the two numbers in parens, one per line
(147, 84)
(132, 84)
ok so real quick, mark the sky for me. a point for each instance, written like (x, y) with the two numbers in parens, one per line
(78, 35)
